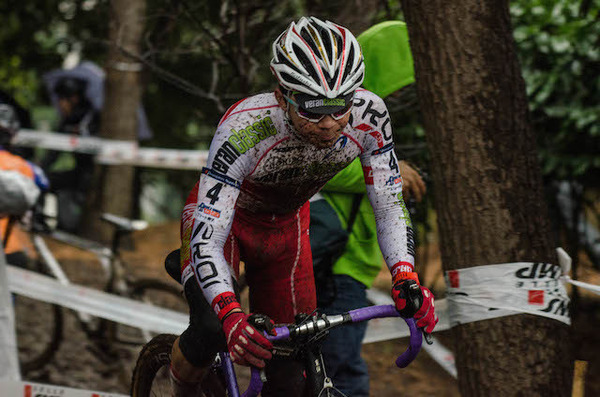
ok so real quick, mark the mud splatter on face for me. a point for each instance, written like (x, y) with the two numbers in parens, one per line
(323, 134)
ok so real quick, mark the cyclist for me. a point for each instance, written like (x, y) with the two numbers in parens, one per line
(270, 154)
(21, 183)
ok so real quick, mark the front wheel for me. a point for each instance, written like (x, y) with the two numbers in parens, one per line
(151, 373)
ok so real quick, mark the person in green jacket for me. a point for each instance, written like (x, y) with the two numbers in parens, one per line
(354, 272)
(388, 68)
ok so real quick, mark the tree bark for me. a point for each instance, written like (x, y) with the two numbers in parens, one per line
(119, 115)
(487, 186)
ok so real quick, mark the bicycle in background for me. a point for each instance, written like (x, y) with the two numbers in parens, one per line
(38, 340)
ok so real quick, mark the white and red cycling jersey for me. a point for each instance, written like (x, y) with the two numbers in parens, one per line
(258, 165)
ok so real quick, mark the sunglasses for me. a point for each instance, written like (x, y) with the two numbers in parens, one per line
(316, 117)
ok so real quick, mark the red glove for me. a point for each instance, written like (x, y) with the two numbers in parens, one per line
(247, 345)
(414, 300)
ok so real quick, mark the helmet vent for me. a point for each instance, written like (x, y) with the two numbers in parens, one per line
(311, 42)
(289, 79)
(305, 62)
(348, 68)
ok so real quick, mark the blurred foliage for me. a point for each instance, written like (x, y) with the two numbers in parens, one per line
(201, 57)
(558, 42)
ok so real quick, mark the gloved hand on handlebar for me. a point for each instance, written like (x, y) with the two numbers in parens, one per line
(414, 300)
(246, 344)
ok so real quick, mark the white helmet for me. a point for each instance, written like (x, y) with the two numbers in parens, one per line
(318, 58)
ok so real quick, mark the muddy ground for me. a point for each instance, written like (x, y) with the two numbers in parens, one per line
(80, 363)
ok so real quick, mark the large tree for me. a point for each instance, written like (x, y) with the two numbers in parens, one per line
(114, 191)
(487, 185)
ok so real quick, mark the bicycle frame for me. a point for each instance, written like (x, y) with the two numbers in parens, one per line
(312, 327)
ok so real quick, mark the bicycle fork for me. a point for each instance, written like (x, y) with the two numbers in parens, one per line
(316, 375)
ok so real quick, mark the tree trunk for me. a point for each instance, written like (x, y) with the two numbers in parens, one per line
(119, 121)
(487, 185)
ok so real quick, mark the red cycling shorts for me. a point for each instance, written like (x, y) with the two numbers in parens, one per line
(276, 253)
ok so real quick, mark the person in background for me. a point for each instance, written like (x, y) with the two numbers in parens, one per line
(21, 183)
(353, 272)
(77, 117)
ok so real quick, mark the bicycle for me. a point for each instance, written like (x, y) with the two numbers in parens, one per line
(151, 373)
(103, 333)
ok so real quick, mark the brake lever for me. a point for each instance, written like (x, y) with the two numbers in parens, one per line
(428, 338)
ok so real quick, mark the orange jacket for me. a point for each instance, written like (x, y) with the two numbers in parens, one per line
(17, 240)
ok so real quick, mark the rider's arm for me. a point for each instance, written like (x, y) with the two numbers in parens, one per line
(218, 191)
(384, 189)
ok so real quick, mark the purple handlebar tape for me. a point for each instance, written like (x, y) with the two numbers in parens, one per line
(255, 386)
(358, 315)
(416, 338)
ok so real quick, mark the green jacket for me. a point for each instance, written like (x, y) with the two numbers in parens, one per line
(362, 258)
(388, 67)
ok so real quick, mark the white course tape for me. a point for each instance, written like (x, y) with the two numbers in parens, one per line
(443, 356)
(29, 389)
(72, 143)
(97, 303)
(565, 262)
(590, 287)
(156, 158)
(114, 152)
(9, 362)
(485, 292)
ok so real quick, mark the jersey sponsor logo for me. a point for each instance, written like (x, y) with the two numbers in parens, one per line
(225, 156)
(205, 269)
(337, 146)
(393, 180)
(405, 214)
(375, 118)
(224, 303)
(401, 267)
(208, 210)
(221, 178)
(245, 139)
(410, 240)
(204, 228)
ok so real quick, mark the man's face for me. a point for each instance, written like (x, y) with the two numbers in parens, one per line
(67, 104)
(322, 134)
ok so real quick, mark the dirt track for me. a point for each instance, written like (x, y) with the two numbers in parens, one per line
(76, 364)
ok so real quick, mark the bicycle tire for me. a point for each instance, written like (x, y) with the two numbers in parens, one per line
(153, 291)
(32, 334)
(151, 377)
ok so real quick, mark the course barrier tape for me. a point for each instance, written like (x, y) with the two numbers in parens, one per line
(114, 152)
(30, 389)
(96, 303)
(565, 262)
(491, 291)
